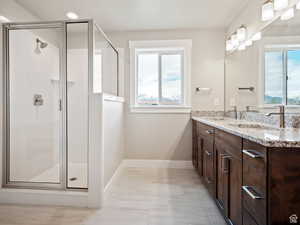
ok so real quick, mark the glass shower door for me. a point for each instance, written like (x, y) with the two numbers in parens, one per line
(35, 112)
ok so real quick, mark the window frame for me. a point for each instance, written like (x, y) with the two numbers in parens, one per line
(165, 47)
(284, 50)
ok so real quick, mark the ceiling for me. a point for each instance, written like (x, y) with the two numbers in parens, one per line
(122, 15)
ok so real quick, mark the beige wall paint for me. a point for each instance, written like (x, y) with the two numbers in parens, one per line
(169, 136)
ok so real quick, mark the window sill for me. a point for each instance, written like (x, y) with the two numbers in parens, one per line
(161, 109)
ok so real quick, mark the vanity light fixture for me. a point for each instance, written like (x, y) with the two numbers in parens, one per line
(288, 14)
(242, 33)
(72, 15)
(267, 12)
(248, 43)
(280, 4)
(3, 19)
(242, 47)
(256, 36)
(234, 40)
(229, 46)
(298, 5)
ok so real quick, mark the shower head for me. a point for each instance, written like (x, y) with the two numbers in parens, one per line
(42, 44)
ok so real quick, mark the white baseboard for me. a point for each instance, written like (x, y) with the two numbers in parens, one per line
(114, 177)
(175, 164)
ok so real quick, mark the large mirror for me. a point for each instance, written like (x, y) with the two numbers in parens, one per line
(266, 74)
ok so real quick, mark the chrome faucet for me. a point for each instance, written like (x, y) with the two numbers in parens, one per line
(282, 115)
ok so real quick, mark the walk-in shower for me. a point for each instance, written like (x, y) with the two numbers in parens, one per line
(53, 79)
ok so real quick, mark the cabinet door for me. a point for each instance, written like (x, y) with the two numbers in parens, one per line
(235, 192)
(195, 145)
(200, 156)
(222, 179)
(208, 165)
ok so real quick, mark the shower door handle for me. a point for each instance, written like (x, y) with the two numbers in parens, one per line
(59, 105)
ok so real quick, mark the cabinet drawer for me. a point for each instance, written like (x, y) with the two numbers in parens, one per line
(254, 167)
(247, 219)
(205, 131)
(255, 180)
(231, 143)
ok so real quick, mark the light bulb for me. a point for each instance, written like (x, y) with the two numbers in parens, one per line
(288, 14)
(298, 5)
(229, 45)
(72, 15)
(248, 42)
(267, 12)
(280, 4)
(234, 40)
(256, 36)
(242, 33)
(242, 47)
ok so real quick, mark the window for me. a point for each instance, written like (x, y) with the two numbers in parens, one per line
(282, 77)
(160, 75)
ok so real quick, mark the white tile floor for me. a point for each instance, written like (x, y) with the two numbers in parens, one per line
(138, 197)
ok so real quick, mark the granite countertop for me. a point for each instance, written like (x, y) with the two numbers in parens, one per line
(265, 135)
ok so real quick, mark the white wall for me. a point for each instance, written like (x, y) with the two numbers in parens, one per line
(113, 119)
(168, 136)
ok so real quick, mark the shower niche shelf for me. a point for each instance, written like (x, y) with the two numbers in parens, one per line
(55, 81)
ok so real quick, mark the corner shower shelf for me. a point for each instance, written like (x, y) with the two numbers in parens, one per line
(55, 80)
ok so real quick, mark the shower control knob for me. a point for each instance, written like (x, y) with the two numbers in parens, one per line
(38, 100)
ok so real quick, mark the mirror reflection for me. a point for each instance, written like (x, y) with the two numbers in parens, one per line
(266, 76)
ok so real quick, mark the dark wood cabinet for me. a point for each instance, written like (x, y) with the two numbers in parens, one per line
(229, 175)
(222, 179)
(252, 184)
(195, 145)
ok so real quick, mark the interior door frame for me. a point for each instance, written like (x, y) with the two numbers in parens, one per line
(6, 108)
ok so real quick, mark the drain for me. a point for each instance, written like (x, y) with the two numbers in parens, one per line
(73, 178)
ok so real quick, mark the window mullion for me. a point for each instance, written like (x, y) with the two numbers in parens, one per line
(159, 79)
(284, 80)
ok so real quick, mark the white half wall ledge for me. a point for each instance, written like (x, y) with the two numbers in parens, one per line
(113, 98)
(171, 164)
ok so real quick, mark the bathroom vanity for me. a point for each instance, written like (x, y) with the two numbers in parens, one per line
(251, 170)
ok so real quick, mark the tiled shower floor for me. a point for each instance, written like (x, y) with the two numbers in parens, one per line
(75, 170)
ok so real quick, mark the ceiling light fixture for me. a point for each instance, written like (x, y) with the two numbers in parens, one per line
(3, 19)
(280, 4)
(72, 15)
(256, 36)
(242, 33)
(267, 12)
(288, 14)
